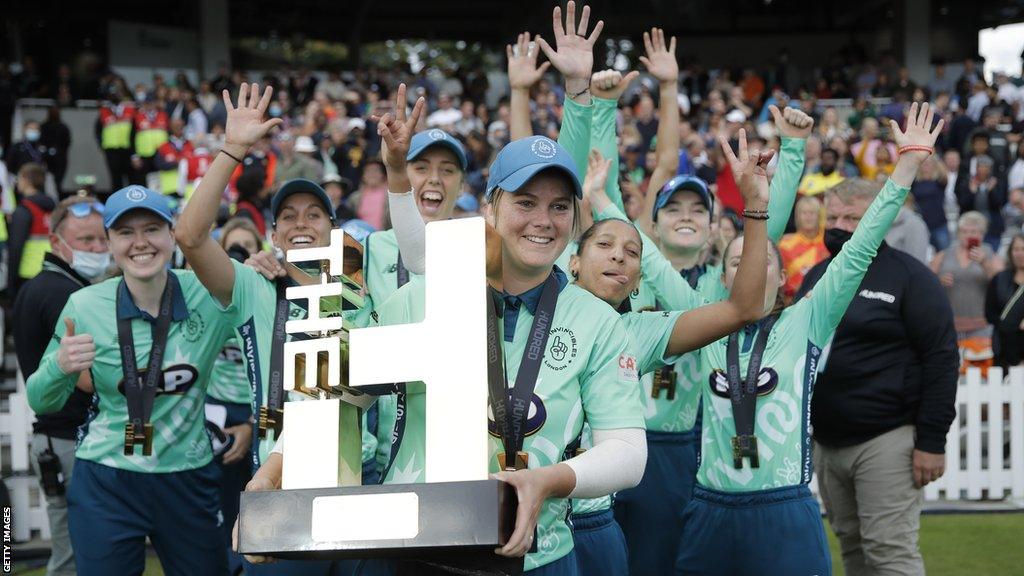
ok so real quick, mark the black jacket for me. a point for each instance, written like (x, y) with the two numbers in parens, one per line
(893, 360)
(36, 311)
(1007, 338)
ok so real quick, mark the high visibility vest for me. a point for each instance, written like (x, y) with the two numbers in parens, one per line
(117, 128)
(3, 228)
(38, 243)
(150, 133)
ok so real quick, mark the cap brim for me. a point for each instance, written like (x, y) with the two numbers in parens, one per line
(514, 181)
(109, 221)
(459, 154)
(298, 187)
(687, 186)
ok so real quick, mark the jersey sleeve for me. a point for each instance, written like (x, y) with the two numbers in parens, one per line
(602, 138)
(652, 332)
(837, 287)
(609, 386)
(48, 388)
(574, 135)
(784, 184)
(244, 294)
(669, 287)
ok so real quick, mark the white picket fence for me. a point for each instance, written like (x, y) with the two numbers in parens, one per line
(989, 422)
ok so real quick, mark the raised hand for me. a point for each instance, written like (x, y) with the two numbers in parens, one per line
(597, 176)
(397, 130)
(661, 58)
(245, 124)
(919, 132)
(791, 122)
(750, 170)
(610, 84)
(523, 71)
(77, 351)
(574, 56)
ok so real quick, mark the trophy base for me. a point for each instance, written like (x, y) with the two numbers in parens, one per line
(447, 523)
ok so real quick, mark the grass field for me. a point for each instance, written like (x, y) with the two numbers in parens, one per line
(953, 545)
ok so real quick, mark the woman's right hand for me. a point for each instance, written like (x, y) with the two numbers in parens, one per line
(76, 352)
(946, 280)
(610, 84)
(259, 483)
(597, 176)
(266, 264)
(397, 131)
(245, 124)
(523, 71)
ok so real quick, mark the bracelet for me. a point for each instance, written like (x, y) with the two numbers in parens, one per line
(230, 155)
(580, 93)
(916, 148)
(756, 214)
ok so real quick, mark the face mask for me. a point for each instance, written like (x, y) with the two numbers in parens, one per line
(32, 135)
(835, 238)
(140, 96)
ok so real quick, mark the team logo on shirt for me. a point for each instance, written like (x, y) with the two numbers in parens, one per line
(194, 326)
(535, 419)
(767, 380)
(562, 349)
(178, 380)
(230, 354)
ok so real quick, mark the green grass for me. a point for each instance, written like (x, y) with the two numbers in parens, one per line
(952, 545)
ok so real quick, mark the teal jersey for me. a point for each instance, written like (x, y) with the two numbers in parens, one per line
(197, 333)
(649, 333)
(790, 366)
(380, 272)
(583, 378)
(228, 382)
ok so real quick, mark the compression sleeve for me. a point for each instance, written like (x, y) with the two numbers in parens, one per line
(410, 231)
(616, 462)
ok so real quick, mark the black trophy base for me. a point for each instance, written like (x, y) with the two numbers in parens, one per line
(456, 524)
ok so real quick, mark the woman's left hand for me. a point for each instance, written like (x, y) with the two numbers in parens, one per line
(243, 441)
(976, 254)
(533, 486)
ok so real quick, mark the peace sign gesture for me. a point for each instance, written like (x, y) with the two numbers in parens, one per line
(245, 124)
(661, 58)
(397, 131)
(750, 170)
(574, 57)
(523, 71)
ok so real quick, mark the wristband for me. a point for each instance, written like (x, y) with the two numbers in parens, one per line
(756, 214)
(580, 93)
(915, 148)
(230, 155)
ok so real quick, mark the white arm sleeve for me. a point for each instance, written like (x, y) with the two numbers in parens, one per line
(278, 445)
(616, 462)
(410, 231)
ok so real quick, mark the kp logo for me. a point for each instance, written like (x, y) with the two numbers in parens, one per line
(535, 418)
(767, 380)
(562, 349)
(178, 380)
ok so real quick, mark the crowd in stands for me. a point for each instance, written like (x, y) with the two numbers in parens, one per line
(964, 217)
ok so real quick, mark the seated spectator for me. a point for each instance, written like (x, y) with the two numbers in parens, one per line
(802, 249)
(1004, 307)
(371, 199)
(297, 161)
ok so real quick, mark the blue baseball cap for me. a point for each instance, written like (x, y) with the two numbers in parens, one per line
(521, 160)
(679, 184)
(467, 202)
(135, 197)
(358, 229)
(435, 137)
(295, 187)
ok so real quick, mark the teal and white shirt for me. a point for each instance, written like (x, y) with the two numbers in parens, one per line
(588, 375)
(228, 382)
(790, 366)
(197, 333)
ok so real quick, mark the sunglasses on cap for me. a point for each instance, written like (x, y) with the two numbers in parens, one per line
(82, 209)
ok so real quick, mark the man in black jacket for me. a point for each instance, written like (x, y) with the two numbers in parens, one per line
(885, 400)
(79, 256)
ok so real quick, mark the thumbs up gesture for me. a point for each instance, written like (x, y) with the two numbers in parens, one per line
(76, 352)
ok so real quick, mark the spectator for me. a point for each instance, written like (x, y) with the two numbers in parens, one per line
(446, 116)
(824, 178)
(169, 157)
(984, 193)
(151, 125)
(197, 124)
(55, 138)
(28, 236)
(646, 122)
(929, 193)
(252, 197)
(468, 123)
(978, 100)
(1015, 176)
(297, 160)
(803, 249)
(28, 150)
(884, 402)
(339, 190)
(371, 199)
(114, 128)
(939, 83)
(350, 150)
(965, 270)
(1004, 307)
(909, 233)
(78, 257)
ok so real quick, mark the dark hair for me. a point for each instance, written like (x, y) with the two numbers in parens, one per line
(589, 233)
(35, 173)
(249, 185)
(831, 151)
(1009, 251)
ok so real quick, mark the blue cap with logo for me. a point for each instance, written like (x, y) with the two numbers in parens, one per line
(297, 186)
(436, 137)
(521, 160)
(135, 197)
(467, 202)
(679, 184)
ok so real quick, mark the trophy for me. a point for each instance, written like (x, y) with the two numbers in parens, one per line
(459, 515)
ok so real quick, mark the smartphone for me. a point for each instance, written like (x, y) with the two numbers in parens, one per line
(973, 243)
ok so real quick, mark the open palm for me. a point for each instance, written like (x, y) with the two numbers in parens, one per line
(574, 57)
(919, 130)
(661, 58)
(523, 71)
(245, 124)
